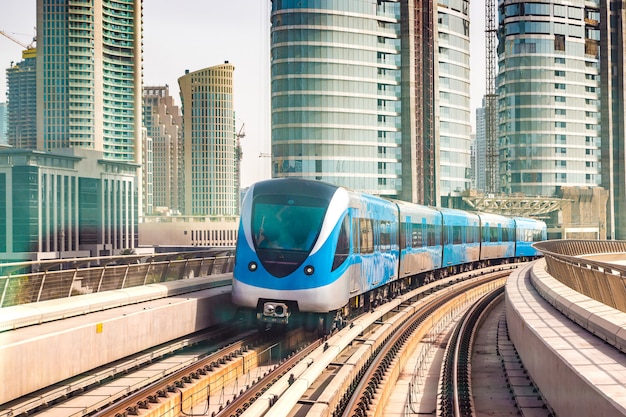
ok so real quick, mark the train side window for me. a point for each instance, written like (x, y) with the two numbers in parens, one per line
(493, 234)
(343, 244)
(417, 235)
(356, 235)
(457, 237)
(434, 238)
(403, 226)
(385, 235)
(367, 236)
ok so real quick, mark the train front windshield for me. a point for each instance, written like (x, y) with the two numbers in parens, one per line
(288, 223)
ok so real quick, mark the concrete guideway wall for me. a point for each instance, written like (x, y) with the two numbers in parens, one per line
(578, 373)
(34, 357)
(29, 314)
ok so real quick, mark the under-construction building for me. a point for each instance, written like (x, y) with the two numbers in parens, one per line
(22, 102)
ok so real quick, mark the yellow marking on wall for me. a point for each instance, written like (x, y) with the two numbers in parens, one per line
(99, 328)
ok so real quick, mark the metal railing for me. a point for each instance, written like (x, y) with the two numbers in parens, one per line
(602, 281)
(30, 282)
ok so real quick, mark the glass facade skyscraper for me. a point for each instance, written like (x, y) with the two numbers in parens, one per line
(613, 52)
(22, 102)
(163, 122)
(361, 97)
(454, 95)
(209, 142)
(336, 108)
(89, 89)
(548, 96)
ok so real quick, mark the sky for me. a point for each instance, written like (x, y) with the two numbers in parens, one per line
(196, 34)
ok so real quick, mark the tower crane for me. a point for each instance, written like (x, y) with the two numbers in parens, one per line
(28, 49)
(240, 135)
(23, 45)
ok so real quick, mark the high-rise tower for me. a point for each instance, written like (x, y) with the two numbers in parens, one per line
(548, 96)
(22, 102)
(361, 97)
(613, 44)
(336, 109)
(163, 121)
(89, 85)
(210, 149)
(453, 100)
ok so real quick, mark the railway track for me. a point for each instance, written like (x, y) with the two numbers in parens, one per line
(456, 390)
(456, 393)
(346, 374)
(177, 362)
(49, 398)
(343, 375)
(229, 363)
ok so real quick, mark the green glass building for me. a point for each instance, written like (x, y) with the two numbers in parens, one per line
(89, 85)
(548, 96)
(336, 108)
(372, 96)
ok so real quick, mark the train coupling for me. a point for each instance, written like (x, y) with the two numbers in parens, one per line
(274, 313)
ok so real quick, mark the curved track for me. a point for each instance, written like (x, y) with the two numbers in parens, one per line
(341, 375)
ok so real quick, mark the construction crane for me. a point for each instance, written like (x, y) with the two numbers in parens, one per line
(240, 135)
(29, 50)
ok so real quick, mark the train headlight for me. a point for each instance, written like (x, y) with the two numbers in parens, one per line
(309, 270)
(252, 266)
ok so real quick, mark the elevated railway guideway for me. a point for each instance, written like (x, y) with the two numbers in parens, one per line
(36, 281)
(594, 268)
(566, 316)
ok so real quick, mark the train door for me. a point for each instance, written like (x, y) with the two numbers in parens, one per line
(355, 272)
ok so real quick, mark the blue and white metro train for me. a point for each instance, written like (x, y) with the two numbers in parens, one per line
(309, 252)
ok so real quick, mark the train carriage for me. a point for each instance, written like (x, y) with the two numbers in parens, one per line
(497, 237)
(374, 242)
(307, 246)
(461, 242)
(420, 239)
(528, 231)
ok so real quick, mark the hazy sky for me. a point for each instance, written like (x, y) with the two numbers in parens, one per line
(196, 34)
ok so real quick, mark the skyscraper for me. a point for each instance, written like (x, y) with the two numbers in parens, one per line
(357, 90)
(163, 121)
(22, 102)
(336, 109)
(548, 96)
(453, 100)
(481, 149)
(611, 19)
(88, 105)
(210, 149)
(89, 85)
(3, 124)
